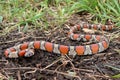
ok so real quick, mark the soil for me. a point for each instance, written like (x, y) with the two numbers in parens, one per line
(49, 66)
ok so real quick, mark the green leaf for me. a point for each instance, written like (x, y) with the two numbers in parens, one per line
(1, 19)
(117, 4)
(113, 67)
(116, 76)
(102, 7)
(25, 27)
(110, 7)
(37, 16)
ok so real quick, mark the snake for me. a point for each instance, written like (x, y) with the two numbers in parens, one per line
(102, 43)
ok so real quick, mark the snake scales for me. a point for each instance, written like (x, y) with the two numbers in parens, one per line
(103, 43)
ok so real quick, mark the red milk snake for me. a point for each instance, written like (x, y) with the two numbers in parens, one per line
(103, 43)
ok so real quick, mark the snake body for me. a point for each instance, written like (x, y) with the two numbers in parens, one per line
(103, 43)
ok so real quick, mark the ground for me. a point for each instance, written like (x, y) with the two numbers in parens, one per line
(49, 66)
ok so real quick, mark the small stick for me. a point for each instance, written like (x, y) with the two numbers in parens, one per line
(18, 75)
(62, 73)
(51, 64)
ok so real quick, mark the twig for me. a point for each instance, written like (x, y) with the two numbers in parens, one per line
(51, 64)
(99, 69)
(30, 72)
(15, 40)
(18, 75)
(3, 77)
(64, 61)
(6, 74)
(115, 35)
(19, 68)
(84, 70)
(93, 76)
(70, 60)
(62, 73)
(117, 50)
(4, 61)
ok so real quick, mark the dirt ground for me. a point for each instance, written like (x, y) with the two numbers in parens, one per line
(49, 66)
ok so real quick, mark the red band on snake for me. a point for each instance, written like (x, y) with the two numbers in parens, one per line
(103, 43)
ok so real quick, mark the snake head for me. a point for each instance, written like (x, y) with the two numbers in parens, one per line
(29, 52)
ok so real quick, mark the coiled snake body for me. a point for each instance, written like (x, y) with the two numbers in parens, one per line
(103, 43)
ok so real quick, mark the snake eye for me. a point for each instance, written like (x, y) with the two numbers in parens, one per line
(6, 53)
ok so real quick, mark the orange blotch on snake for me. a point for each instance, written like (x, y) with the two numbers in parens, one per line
(110, 27)
(80, 50)
(78, 27)
(49, 46)
(6, 53)
(12, 49)
(63, 49)
(105, 45)
(75, 36)
(103, 27)
(95, 27)
(37, 44)
(22, 53)
(24, 46)
(94, 48)
(88, 37)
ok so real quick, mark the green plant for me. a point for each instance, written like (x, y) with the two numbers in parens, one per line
(34, 14)
(109, 10)
(114, 68)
